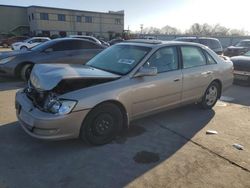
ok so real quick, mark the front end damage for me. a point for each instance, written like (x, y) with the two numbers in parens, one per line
(41, 110)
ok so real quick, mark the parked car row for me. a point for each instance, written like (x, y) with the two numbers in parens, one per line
(126, 81)
(29, 43)
(64, 50)
(24, 43)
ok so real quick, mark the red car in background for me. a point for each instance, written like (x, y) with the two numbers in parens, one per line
(7, 42)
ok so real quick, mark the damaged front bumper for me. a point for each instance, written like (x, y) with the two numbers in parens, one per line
(45, 125)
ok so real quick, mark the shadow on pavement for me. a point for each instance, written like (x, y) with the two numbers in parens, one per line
(238, 95)
(28, 162)
(11, 85)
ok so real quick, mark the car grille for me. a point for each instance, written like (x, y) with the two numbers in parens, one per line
(38, 98)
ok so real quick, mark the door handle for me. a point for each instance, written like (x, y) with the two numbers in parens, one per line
(207, 72)
(177, 79)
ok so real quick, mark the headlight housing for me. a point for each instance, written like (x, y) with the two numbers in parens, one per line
(60, 106)
(6, 60)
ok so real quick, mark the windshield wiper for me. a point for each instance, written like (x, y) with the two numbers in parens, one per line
(113, 72)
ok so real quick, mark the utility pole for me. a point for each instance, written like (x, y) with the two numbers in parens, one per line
(141, 26)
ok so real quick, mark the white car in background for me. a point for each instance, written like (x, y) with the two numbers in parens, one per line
(29, 43)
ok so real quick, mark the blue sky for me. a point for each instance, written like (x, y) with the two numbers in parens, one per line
(158, 13)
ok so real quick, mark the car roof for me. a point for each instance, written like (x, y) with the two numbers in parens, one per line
(69, 38)
(39, 38)
(157, 43)
(209, 38)
(247, 40)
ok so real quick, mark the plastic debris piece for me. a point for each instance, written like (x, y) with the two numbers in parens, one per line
(226, 99)
(211, 132)
(221, 103)
(238, 146)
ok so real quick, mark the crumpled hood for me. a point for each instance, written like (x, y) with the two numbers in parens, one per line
(47, 76)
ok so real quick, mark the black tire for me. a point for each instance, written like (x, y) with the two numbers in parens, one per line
(102, 124)
(211, 96)
(26, 71)
(5, 45)
(24, 48)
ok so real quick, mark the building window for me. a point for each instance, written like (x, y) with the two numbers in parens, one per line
(89, 33)
(118, 21)
(61, 17)
(79, 33)
(78, 18)
(32, 15)
(29, 18)
(46, 33)
(88, 19)
(43, 16)
(62, 34)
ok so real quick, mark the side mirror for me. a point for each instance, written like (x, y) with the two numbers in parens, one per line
(48, 50)
(146, 71)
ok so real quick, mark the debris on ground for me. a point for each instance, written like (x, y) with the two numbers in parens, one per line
(238, 146)
(226, 99)
(211, 132)
(221, 103)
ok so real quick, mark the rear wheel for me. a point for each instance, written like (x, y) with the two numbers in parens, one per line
(26, 71)
(211, 96)
(102, 124)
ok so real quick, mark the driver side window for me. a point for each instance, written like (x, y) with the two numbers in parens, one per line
(164, 59)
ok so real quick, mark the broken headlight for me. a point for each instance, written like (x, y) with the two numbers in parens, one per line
(60, 106)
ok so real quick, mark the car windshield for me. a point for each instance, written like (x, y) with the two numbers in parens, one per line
(247, 53)
(243, 44)
(119, 59)
(211, 43)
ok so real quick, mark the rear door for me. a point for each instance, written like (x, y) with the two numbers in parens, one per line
(83, 50)
(196, 74)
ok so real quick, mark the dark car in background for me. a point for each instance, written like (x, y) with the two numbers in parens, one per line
(9, 41)
(91, 38)
(238, 49)
(242, 68)
(115, 41)
(213, 43)
(60, 51)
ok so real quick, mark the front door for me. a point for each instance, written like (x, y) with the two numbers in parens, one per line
(150, 93)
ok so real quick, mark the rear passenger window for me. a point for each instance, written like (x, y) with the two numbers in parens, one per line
(88, 45)
(165, 59)
(210, 60)
(192, 57)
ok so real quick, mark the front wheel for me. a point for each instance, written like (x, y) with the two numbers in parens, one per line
(23, 48)
(211, 96)
(25, 72)
(102, 124)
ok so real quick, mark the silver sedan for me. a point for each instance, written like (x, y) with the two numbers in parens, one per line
(124, 82)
